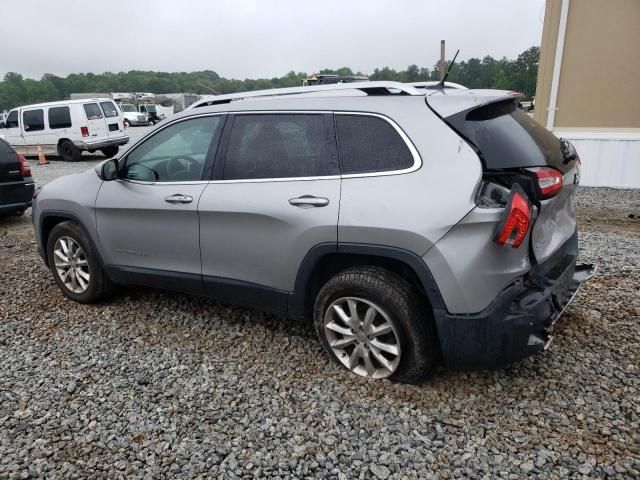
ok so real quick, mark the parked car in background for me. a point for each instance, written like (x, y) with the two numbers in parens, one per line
(16, 183)
(66, 128)
(132, 117)
(456, 235)
(155, 113)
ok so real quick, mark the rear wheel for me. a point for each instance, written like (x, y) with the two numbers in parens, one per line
(110, 151)
(375, 324)
(69, 152)
(126, 123)
(75, 266)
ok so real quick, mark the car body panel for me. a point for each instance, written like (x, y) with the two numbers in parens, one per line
(391, 210)
(469, 268)
(250, 232)
(130, 217)
(556, 222)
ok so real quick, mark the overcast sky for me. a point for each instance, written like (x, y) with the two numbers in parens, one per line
(252, 38)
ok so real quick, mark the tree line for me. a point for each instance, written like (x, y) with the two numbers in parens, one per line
(15, 90)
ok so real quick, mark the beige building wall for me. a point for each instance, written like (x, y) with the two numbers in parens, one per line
(599, 87)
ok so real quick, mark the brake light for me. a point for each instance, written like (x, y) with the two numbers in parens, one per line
(549, 181)
(25, 170)
(84, 131)
(517, 218)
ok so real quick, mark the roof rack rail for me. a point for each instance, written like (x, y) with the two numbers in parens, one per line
(369, 88)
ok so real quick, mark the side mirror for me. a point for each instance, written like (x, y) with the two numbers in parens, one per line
(108, 170)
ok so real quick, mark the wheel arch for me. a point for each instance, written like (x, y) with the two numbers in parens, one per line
(48, 220)
(325, 260)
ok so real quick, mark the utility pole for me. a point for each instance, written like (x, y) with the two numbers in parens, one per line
(441, 60)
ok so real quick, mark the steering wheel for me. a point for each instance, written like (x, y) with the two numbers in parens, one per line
(134, 176)
(175, 169)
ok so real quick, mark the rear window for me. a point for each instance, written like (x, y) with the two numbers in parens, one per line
(109, 109)
(5, 149)
(59, 117)
(93, 111)
(509, 138)
(370, 144)
(33, 120)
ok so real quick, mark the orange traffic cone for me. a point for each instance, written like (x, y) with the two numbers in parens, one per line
(42, 160)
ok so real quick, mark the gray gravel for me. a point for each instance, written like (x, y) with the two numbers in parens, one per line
(162, 385)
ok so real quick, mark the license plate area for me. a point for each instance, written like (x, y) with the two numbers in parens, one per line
(113, 127)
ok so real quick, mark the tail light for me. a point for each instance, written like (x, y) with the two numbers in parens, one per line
(514, 226)
(25, 170)
(549, 181)
(84, 131)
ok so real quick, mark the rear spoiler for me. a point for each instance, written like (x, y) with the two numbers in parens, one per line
(449, 102)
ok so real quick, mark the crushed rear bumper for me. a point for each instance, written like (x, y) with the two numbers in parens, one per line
(518, 322)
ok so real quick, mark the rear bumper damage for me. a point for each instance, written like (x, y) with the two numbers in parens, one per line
(517, 324)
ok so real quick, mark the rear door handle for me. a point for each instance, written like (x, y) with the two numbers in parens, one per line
(178, 198)
(309, 201)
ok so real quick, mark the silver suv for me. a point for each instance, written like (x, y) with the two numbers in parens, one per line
(412, 227)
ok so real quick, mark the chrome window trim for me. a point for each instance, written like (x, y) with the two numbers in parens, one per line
(417, 160)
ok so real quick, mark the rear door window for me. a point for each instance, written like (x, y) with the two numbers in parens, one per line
(370, 144)
(109, 109)
(33, 120)
(93, 111)
(280, 146)
(59, 117)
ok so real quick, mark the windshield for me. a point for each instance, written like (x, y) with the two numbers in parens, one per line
(151, 108)
(128, 108)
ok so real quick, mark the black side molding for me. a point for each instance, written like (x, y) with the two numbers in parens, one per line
(41, 244)
(298, 300)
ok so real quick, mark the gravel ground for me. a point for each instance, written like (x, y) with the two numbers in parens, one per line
(162, 385)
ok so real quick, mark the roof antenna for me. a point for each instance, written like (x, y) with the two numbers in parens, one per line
(441, 84)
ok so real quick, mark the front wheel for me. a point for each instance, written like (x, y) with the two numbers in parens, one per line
(75, 266)
(377, 325)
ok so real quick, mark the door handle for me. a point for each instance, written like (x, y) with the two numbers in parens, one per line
(309, 201)
(178, 198)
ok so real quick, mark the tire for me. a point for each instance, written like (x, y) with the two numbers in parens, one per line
(150, 123)
(69, 152)
(399, 304)
(99, 286)
(126, 123)
(110, 151)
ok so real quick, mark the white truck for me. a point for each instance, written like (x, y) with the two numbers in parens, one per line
(66, 128)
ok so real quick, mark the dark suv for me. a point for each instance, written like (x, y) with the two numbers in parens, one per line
(16, 183)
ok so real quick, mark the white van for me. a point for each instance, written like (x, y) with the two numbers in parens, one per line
(66, 128)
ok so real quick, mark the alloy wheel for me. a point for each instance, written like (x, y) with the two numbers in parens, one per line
(71, 264)
(362, 337)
